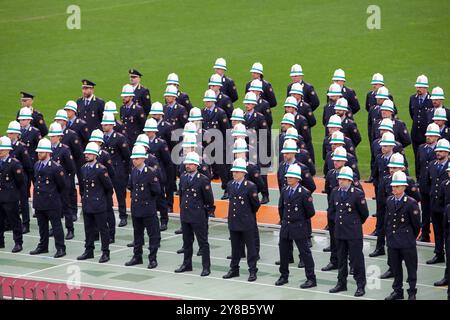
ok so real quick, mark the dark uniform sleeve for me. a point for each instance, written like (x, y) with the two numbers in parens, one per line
(41, 125)
(253, 197)
(18, 173)
(403, 135)
(141, 118)
(154, 184)
(105, 180)
(25, 160)
(130, 182)
(412, 190)
(232, 91)
(183, 117)
(307, 180)
(361, 205)
(353, 101)
(368, 101)
(109, 167)
(59, 177)
(124, 149)
(354, 134)
(308, 205)
(281, 204)
(331, 211)
(255, 177)
(224, 124)
(208, 196)
(70, 163)
(312, 98)
(414, 217)
(146, 101)
(270, 95)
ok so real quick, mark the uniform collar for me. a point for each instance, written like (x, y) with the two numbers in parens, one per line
(92, 163)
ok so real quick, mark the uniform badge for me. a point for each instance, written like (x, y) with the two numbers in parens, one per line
(207, 187)
(148, 97)
(310, 199)
(124, 145)
(156, 179)
(92, 184)
(363, 201)
(254, 194)
(19, 171)
(41, 121)
(106, 174)
(416, 212)
(75, 141)
(142, 115)
(61, 173)
(187, 101)
(270, 89)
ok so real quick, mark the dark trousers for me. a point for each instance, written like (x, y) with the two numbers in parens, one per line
(10, 211)
(265, 190)
(54, 217)
(353, 250)
(120, 189)
(66, 212)
(24, 202)
(426, 210)
(381, 233)
(223, 171)
(415, 145)
(408, 255)
(151, 224)
(248, 238)
(257, 244)
(73, 195)
(333, 247)
(110, 216)
(162, 206)
(171, 186)
(310, 148)
(438, 227)
(305, 255)
(93, 223)
(200, 230)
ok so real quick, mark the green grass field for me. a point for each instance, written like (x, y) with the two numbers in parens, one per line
(39, 54)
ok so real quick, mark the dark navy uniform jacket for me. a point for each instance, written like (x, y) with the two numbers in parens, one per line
(11, 179)
(418, 113)
(49, 183)
(263, 107)
(351, 162)
(309, 94)
(133, 118)
(381, 168)
(254, 123)
(331, 182)
(175, 116)
(372, 101)
(81, 129)
(145, 188)
(72, 140)
(447, 225)
(165, 133)
(196, 198)
(38, 122)
(243, 205)
(349, 213)
(401, 133)
(307, 179)
(435, 176)
(254, 175)
(119, 150)
(385, 190)
(425, 156)
(97, 187)
(305, 110)
(92, 113)
(348, 145)
(159, 148)
(224, 102)
(62, 155)
(376, 151)
(402, 222)
(294, 211)
(20, 152)
(31, 138)
(215, 119)
(303, 129)
(267, 93)
(444, 194)
(229, 88)
(183, 99)
(105, 159)
(142, 98)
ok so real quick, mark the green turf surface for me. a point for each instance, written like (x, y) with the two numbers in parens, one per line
(39, 54)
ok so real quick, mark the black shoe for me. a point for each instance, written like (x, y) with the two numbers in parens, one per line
(436, 259)
(229, 257)
(205, 273)
(104, 258)
(327, 249)
(183, 268)
(25, 228)
(112, 240)
(370, 180)
(75, 218)
(2, 245)
(281, 281)
(17, 248)
(50, 232)
(339, 287)
(180, 251)
(69, 235)
(97, 237)
(86, 255)
(252, 277)
(60, 253)
(199, 253)
(387, 275)
(38, 250)
(178, 231)
(170, 209)
(360, 292)
(412, 296)
(377, 252)
(123, 222)
(152, 264)
(326, 228)
(424, 238)
(395, 296)
(329, 267)
(265, 200)
(441, 283)
(134, 261)
(278, 262)
(225, 196)
(301, 264)
(231, 274)
(212, 215)
(351, 271)
(163, 227)
(308, 284)
(309, 242)
(130, 245)
(374, 233)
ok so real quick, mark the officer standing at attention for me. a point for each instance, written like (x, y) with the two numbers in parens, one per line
(131, 114)
(296, 207)
(145, 190)
(309, 94)
(90, 108)
(228, 86)
(116, 145)
(141, 93)
(377, 82)
(182, 97)
(243, 205)
(196, 202)
(349, 207)
(347, 93)
(76, 124)
(49, 183)
(402, 224)
(267, 94)
(96, 187)
(222, 100)
(26, 100)
(174, 113)
(11, 181)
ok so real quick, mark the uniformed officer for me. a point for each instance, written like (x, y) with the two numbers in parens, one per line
(20, 152)
(309, 94)
(141, 93)
(174, 113)
(437, 98)
(267, 94)
(336, 137)
(145, 189)
(303, 155)
(62, 155)
(301, 106)
(164, 127)
(333, 95)
(387, 144)
(347, 93)
(242, 209)
(436, 174)
(377, 82)
(117, 146)
(131, 114)
(402, 225)
(97, 186)
(196, 201)
(349, 208)
(222, 100)
(49, 183)
(228, 86)
(90, 108)
(349, 161)
(26, 100)
(296, 208)
(425, 156)
(11, 181)
(30, 135)
(76, 124)
(440, 118)
(182, 97)
(419, 104)
(349, 126)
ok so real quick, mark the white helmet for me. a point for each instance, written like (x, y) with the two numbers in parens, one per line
(437, 94)
(61, 114)
(256, 85)
(111, 106)
(377, 78)
(345, 173)
(220, 63)
(172, 79)
(238, 115)
(13, 127)
(399, 179)
(5, 143)
(239, 130)
(92, 148)
(210, 95)
(138, 152)
(334, 122)
(250, 98)
(387, 139)
(171, 91)
(290, 102)
(239, 165)
(215, 80)
(339, 74)
(341, 104)
(157, 108)
(289, 146)
(195, 114)
(257, 67)
(294, 171)
(397, 160)
(44, 145)
(192, 158)
(296, 70)
(422, 81)
(71, 105)
(190, 128)
(25, 114)
(96, 136)
(55, 130)
(382, 93)
(108, 118)
(296, 88)
(334, 90)
(151, 125)
(433, 130)
(127, 91)
(339, 154)
(240, 145)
